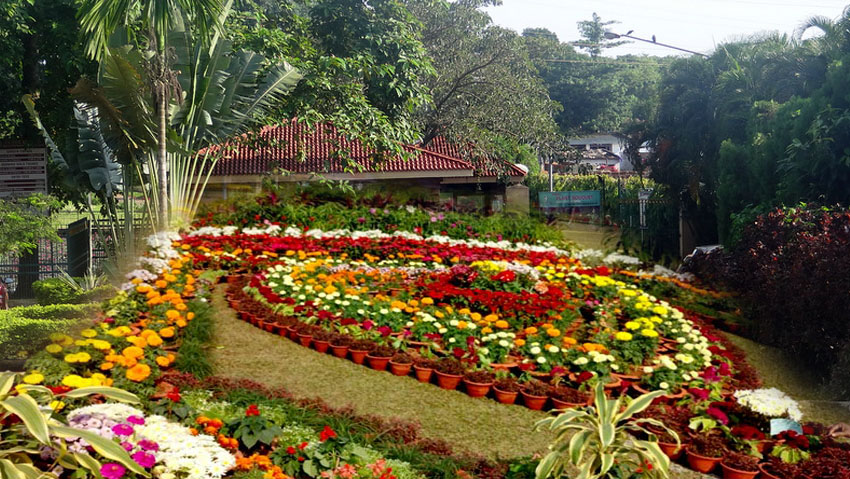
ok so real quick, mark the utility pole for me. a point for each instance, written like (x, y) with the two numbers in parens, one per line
(614, 36)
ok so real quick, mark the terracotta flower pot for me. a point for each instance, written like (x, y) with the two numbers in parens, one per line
(448, 381)
(505, 397)
(767, 473)
(378, 363)
(423, 375)
(305, 339)
(358, 356)
(558, 404)
(234, 304)
(503, 366)
(730, 473)
(400, 369)
(339, 351)
(292, 333)
(702, 463)
(477, 390)
(535, 403)
(672, 451)
(268, 326)
(321, 346)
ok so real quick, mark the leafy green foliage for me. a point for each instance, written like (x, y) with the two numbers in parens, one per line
(25, 329)
(24, 221)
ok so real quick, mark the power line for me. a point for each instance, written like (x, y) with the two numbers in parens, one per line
(594, 62)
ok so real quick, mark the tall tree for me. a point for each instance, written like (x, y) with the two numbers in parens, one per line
(593, 35)
(100, 19)
(485, 86)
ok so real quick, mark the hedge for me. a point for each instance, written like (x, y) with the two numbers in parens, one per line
(58, 291)
(24, 330)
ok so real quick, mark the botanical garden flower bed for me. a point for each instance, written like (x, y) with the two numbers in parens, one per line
(501, 318)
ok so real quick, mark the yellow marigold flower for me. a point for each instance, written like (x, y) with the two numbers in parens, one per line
(190, 315)
(34, 378)
(413, 303)
(660, 310)
(88, 333)
(486, 330)
(99, 344)
(519, 342)
(531, 330)
(502, 324)
(72, 381)
(649, 333)
(56, 405)
(623, 336)
(163, 361)
(427, 301)
(80, 342)
(181, 323)
(461, 324)
(553, 332)
(53, 348)
(449, 309)
(172, 314)
(167, 332)
(439, 314)
(180, 307)
(143, 288)
(491, 318)
(154, 340)
(139, 372)
(462, 311)
(133, 352)
(137, 341)
(475, 317)
(568, 340)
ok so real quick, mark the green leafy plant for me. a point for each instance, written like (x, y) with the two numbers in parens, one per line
(33, 406)
(253, 428)
(595, 439)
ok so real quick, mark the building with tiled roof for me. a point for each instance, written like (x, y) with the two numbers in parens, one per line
(294, 152)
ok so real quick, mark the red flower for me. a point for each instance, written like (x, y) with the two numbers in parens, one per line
(302, 446)
(252, 411)
(327, 433)
(584, 376)
(716, 413)
(173, 396)
(505, 276)
(747, 432)
(290, 450)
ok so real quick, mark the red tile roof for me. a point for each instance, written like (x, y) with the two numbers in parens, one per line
(297, 148)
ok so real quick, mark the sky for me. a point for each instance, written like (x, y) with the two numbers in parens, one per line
(697, 25)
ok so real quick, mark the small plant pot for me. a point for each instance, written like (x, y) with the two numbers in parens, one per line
(339, 351)
(281, 330)
(532, 402)
(702, 463)
(558, 404)
(233, 278)
(503, 366)
(730, 473)
(321, 346)
(233, 304)
(305, 339)
(423, 375)
(292, 333)
(448, 381)
(378, 363)
(477, 390)
(767, 473)
(671, 450)
(505, 397)
(400, 369)
(268, 326)
(358, 356)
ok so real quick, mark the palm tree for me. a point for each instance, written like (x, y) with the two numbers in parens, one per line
(835, 34)
(100, 19)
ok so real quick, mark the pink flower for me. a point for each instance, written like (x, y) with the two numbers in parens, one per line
(148, 445)
(378, 467)
(111, 470)
(122, 429)
(716, 413)
(346, 471)
(137, 420)
(144, 459)
(699, 393)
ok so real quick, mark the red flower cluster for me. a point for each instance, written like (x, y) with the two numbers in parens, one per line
(252, 410)
(793, 439)
(327, 433)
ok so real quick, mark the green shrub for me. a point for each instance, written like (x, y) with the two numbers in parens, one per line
(26, 329)
(54, 291)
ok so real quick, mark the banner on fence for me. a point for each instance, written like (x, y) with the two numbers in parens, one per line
(570, 199)
(23, 171)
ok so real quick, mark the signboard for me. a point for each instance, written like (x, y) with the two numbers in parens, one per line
(570, 199)
(643, 197)
(23, 171)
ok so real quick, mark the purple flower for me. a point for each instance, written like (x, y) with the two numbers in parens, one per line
(148, 445)
(122, 429)
(111, 470)
(127, 446)
(144, 459)
(372, 211)
(433, 219)
(361, 220)
(138, 420)
(441, 217)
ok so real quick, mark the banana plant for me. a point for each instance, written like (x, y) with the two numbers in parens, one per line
(27, 425)
(600, 440)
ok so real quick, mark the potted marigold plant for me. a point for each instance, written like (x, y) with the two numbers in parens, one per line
(380, 356)
(534, 394)
(736, 465)
(449, 372)
(506, 390)
(478, 383)
(600, 441)
(705, 452)
(401, 363)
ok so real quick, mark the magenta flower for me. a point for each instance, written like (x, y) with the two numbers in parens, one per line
(144, 459)
(716, 413)
(127, 446)
(699, 393)
(122, 429)
(111, 470)
(148, 445)
(137, 420)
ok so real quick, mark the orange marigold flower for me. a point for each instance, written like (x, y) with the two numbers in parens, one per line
(202, 420)
(172, 314)
(553, 333)
(163, 361)
(154, 340)
(502, 324)
(143, 288)
(107, 366)
(167, 332)
(193, 431)
(531, 330)
(139, 372)
(134, 352)
(161, 284)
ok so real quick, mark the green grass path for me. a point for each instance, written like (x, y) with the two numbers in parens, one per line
(480, 426)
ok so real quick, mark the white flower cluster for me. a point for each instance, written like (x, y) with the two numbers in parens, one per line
(159, 244)
(620, 259)
(769, 402)
(181, 455)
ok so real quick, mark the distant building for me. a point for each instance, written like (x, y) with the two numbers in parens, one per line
(604, 152)
(292, 152)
